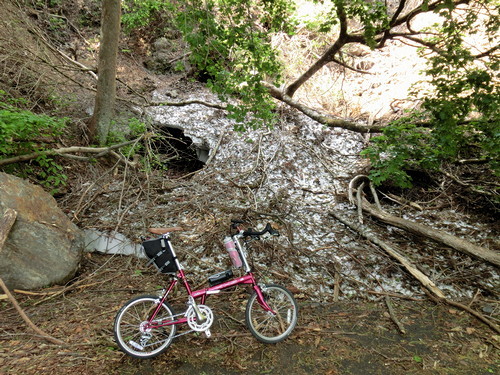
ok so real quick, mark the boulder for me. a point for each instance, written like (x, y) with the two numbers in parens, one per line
(43, 247)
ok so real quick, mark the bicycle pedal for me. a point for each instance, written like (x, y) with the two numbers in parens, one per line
(208, 333)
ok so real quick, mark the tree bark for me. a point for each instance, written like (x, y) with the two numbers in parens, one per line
(106, 84)
(456, 243)
(325, 119)
(66, 151)
(430, 288)
(412, 269)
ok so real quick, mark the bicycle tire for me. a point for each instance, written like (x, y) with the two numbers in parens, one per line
(265, 326)
(130, 335)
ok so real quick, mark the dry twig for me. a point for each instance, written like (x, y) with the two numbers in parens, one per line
(393, 315)
(5, 227)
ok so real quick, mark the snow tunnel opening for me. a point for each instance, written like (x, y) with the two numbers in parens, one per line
(178, 153)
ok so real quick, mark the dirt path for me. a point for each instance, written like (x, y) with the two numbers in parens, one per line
(349, 337)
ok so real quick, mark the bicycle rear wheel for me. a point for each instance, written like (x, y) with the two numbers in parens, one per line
(133, 333)
(264, 325)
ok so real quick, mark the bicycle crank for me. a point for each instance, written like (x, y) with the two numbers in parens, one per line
(201, 320)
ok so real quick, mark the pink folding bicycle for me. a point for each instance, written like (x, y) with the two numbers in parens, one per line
(146, 325)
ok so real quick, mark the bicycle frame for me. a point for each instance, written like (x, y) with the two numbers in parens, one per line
(202, 294)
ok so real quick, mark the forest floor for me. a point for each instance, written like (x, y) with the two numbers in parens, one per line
(352, 336)
(346, 337)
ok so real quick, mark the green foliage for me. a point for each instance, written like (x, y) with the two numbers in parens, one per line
(372, 16)
(465, 106)
(230, 44)
(460, 113)
(24, 132)
(402, 146)
(133, 129)
(51, 173)
(143, 14)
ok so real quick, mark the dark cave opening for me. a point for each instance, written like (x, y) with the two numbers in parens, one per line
(178, 152)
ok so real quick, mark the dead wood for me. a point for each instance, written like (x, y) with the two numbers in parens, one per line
(5, 226)
(396, 254)
(447, 239)
(430, 288)
(461, 306)
(394, 295)
(75, 285)
(27, 319)
(456, 243)
(186, 103)
(69, 151)
(392, 314)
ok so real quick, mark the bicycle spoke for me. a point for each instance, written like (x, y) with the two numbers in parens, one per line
(135, 335)
(266, 326)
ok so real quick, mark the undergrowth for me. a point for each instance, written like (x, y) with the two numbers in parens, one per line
(24, 132)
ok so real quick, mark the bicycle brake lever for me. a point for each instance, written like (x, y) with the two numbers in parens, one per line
(273, 232)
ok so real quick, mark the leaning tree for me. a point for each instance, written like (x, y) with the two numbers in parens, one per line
(231, 48)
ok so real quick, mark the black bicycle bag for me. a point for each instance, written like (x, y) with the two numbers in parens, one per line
(160, 253)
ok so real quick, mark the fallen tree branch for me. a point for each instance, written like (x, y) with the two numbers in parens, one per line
(394, 295)
(461, 306)
(447, 239)
(64, 151)
(66, 57)
(187, 102)
(393, 315)
(5, 226)
(75, 285)
(27, 319)
(412, 269)
(430, 288)
(214, 151)
(456, 243)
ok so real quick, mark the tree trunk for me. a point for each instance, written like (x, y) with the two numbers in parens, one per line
(106, 83)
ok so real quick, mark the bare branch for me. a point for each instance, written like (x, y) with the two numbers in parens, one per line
(99, 151)
(327, 120)
(327, 56)
(187, 102)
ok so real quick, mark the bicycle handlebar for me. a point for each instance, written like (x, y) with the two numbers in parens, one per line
(236, 224)
(268, 229)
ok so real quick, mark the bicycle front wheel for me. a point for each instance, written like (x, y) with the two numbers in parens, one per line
(264, 325)
(136, 334)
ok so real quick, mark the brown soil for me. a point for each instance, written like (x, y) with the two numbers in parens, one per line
(353, 336)
(347, 337)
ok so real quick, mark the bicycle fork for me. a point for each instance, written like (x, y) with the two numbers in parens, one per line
(259, 290)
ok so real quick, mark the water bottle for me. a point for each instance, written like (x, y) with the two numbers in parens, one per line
(233, 253)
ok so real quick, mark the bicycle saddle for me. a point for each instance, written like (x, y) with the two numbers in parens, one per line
(165, 230)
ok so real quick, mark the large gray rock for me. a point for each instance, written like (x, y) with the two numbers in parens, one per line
(43, 247)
